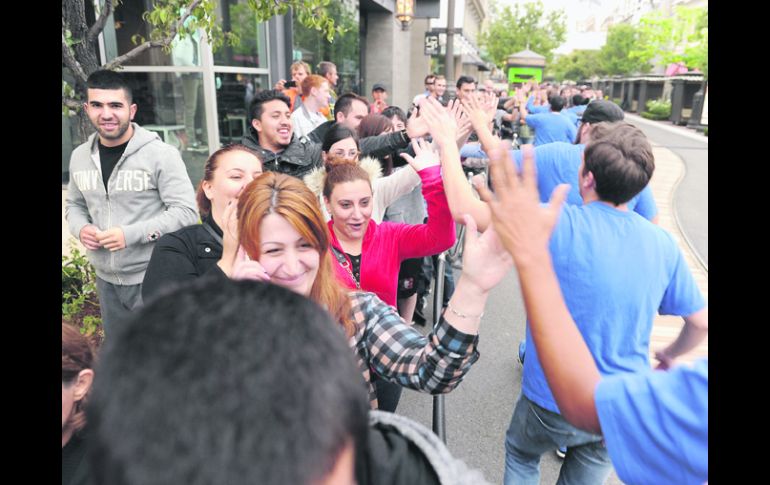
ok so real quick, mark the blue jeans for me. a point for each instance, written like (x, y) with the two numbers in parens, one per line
(534, 431)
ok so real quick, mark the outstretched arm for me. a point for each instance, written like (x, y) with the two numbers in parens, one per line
(524, 227)
(458, 192)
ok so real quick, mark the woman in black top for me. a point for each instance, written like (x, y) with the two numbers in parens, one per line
(77, 362)
(194, 250)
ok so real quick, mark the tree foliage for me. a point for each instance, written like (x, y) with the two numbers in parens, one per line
(167, 19)
(512, 30)
(577, 65)
(680, 37)
(618, 55)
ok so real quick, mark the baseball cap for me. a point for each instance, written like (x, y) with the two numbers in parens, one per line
(378, 87)
(602, 110)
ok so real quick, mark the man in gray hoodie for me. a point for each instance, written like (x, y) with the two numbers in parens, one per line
(127, 188)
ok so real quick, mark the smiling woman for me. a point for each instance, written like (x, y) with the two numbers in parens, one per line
(282, 238)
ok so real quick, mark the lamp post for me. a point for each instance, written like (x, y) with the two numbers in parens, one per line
(405, 13)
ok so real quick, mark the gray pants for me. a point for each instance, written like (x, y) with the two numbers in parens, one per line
(117, 302)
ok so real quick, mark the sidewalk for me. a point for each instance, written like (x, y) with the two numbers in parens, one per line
(669, 171)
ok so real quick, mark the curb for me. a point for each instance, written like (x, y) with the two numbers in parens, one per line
(686, 132)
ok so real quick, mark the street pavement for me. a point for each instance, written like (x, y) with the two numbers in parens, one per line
(479, 410)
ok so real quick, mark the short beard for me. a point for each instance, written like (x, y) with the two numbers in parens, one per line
(122, 129)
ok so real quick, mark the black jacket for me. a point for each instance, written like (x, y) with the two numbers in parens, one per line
(182, 256)
(303, 155)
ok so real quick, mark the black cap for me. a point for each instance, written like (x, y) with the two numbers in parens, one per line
(378, 87)
(600, 110)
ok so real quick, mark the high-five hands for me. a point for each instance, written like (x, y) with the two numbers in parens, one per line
(523, 224)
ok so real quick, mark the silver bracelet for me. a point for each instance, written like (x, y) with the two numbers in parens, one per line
(462, 315)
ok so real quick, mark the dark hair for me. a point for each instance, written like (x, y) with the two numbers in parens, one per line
(76, 355)
(578, 100)
(103, 79)
(325, 67)
(345, 102)
(335, 133)
(225, 381)
(262, 97)
(621, 160)
(428, 77)
(373, 124)
(557, 103)
(464, 80)
(343, 172)
(204, 204)
(394, 111)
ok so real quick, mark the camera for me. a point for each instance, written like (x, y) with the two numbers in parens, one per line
(290, 84)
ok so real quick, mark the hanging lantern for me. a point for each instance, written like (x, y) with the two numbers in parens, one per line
(405, 12)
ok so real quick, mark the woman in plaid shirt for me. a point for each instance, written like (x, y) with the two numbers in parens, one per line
(284, 239)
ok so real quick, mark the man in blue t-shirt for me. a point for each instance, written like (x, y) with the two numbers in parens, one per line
(551, 126)
(616, 271)
(558, 162)
(654, 424)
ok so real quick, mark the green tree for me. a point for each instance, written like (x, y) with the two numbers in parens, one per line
(344, 46)
(679, 37)
(617, 56)
(167, 19)
(577, 65)
(512, 31)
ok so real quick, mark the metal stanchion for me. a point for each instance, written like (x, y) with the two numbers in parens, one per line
(439, 419)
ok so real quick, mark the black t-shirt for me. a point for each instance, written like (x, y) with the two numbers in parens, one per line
(355, 263)
(108, 157)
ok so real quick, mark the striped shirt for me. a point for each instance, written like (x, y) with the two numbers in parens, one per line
(384, 344)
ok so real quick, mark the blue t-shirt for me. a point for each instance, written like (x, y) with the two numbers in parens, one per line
(532, 109)
(616, 270)
(655, 424)
(559, 162)
(550, 127)
(571, 116)
(578, 110)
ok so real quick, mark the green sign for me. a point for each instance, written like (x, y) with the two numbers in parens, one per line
(524, 74)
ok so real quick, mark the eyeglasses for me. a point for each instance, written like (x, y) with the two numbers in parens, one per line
(429, 84)
(349, 154)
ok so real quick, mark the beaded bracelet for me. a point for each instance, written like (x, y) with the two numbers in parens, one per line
(462, 315)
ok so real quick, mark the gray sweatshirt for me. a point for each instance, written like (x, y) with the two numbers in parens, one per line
(149, 194)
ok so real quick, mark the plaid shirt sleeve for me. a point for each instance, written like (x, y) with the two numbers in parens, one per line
(435, 363)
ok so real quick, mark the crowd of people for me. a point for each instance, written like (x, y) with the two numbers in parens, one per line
(280, 298)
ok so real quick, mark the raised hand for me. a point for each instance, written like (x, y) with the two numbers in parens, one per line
(280, 84)
(425, 155)
(416, 126)
(244, 268)
(485, 260)
(522, 223)
(475, 109)
(230, 242)
(440, 123)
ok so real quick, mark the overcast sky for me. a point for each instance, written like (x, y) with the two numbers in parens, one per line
(576, 10)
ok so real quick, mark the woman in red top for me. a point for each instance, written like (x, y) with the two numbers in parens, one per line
(367, 254)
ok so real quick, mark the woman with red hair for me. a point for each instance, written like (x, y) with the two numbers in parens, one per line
(283, 238)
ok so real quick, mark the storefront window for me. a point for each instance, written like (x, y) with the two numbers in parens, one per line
(312, 47)
(237, 16)
(234, 93)
(171, 104)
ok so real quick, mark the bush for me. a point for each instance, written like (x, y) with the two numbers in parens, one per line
(79, 302)
(706, 131)
(657, 110)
